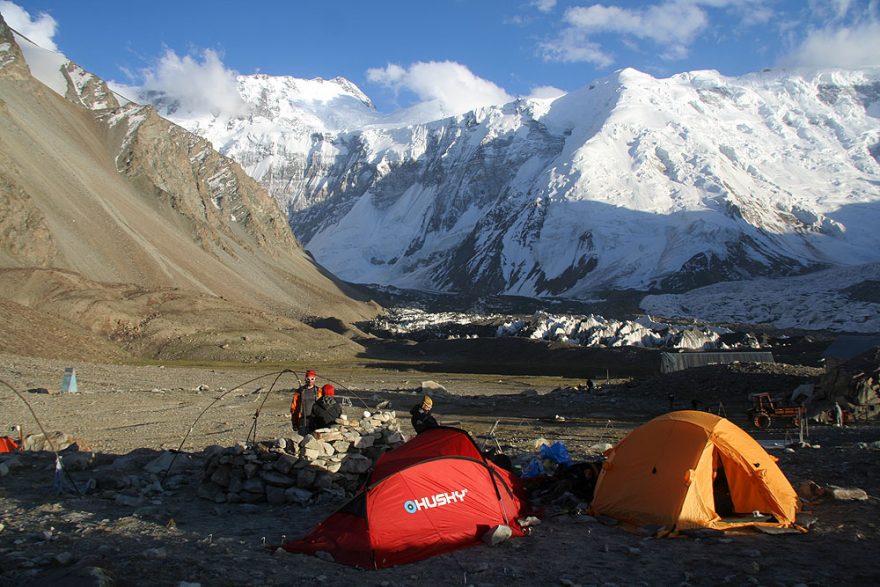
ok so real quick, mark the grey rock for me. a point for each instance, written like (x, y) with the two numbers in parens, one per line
(254, 485)
(297, 495)
(305, 477)
(433, 388)
(212, 492)
(155, 553)
(365, 441)
(63, 558)
(325, 556)
(341, 446)
(285, 463)
(128, 500)
(323, 481)
(356, 464)
(277, 479)
(846, 493)
(221, 475)
(497, 535)
(162, 463)
(77, 461)
(275, 495)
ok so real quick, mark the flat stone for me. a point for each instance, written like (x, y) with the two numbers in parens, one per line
(254, 485)
(846, 493)
(277, 479)
(310, 442)
(161, 463)
(297, 495)
(128, 500)
(365, 441)
(220, 476)
(305, 477)
(275, 495)
(341, 446)
(394, 438)
(285, 463)
(77, 461)
(330, 434)
(323, 481)
(356, 464)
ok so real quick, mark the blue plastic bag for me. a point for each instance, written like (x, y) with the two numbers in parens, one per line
(556, 452)
(533, 469)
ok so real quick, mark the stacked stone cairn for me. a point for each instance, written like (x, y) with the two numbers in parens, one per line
(329, 464)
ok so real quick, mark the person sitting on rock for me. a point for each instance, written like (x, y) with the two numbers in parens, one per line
(326, 410)
(303, 401)
(421, 416)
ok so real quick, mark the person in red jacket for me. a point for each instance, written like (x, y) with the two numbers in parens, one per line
(303, 401)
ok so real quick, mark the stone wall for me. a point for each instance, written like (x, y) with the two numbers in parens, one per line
(328, 463)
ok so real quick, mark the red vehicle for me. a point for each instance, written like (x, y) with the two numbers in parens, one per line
(766, 411)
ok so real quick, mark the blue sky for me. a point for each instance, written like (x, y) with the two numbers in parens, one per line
(465, 52)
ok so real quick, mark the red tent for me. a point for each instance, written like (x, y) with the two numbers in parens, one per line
(434, 494)
(7, 444)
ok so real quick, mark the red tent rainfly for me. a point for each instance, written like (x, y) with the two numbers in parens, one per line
(434, 494)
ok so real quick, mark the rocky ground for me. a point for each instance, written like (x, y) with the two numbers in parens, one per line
(164, 534)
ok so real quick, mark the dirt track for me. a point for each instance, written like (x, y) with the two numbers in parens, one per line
(175, 536)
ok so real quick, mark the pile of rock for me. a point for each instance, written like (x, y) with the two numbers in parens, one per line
(856, 385)
(329, 463)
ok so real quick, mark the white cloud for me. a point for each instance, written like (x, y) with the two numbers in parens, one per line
(834, 10)
(847, 47)
(573, 46)
(200, 84)
(41, 30)
(545, 92)
(544, 5)
(672, 25)
(449, 85)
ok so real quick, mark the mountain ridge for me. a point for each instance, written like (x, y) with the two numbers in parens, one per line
(153, 224)
(773, 173)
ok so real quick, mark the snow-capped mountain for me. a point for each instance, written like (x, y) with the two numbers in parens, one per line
(631, 182)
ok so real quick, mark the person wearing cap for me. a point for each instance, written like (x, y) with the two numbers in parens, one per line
(303, 401)
(421, 416)
(326, 409)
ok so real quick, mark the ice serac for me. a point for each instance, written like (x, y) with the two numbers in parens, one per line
(630, 182)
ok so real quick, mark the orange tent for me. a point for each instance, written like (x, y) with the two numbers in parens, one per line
(693, 469)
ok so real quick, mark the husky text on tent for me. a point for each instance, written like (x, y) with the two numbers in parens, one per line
(434, 501)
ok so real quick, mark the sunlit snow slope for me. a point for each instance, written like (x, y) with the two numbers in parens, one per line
(631, 182)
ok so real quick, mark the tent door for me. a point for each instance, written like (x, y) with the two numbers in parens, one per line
(721, 490)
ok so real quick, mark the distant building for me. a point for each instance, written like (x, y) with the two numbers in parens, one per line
(671, 362)
(846, 347)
